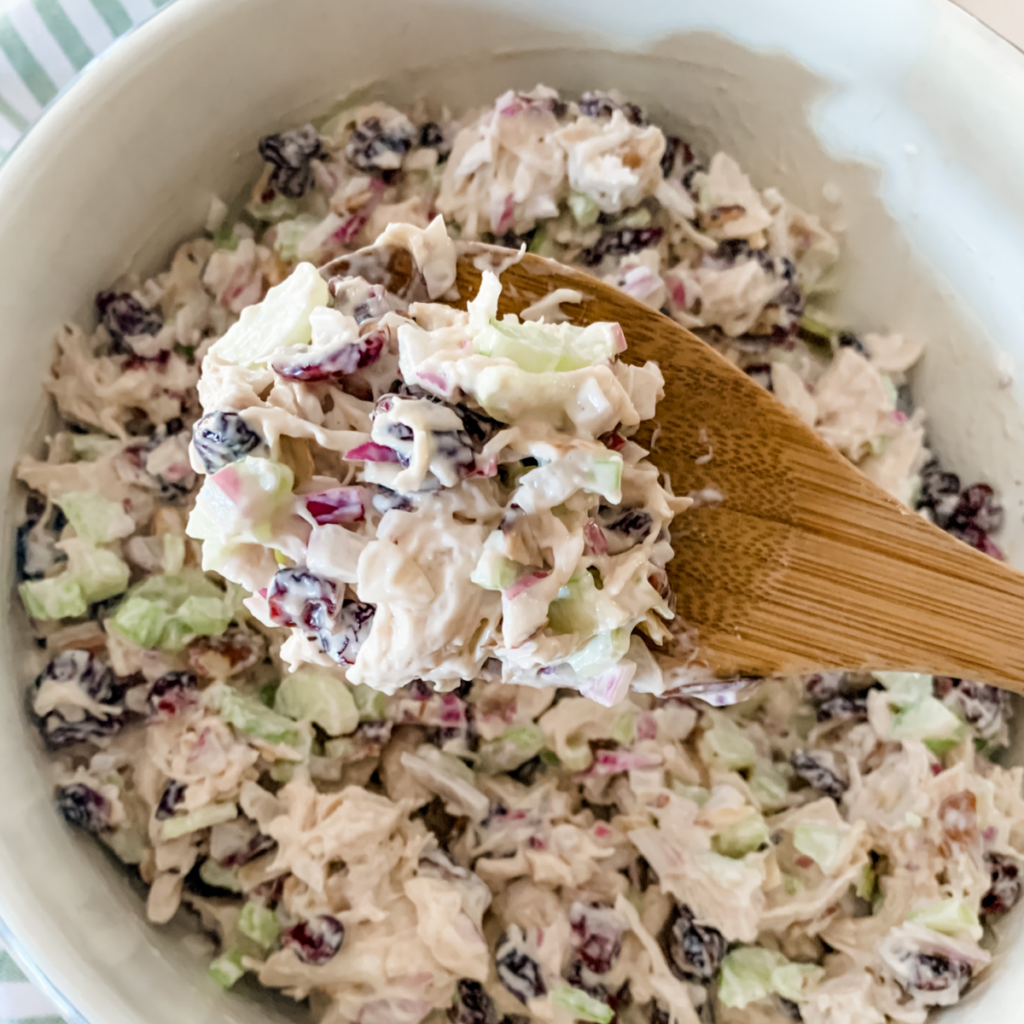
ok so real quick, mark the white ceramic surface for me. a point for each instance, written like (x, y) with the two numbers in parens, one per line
(909, 106)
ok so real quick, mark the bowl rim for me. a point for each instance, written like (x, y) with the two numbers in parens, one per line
(100, 73)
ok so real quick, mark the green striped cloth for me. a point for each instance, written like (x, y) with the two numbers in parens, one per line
(45, 43)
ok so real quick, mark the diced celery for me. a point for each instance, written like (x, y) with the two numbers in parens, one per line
(94, 518)
(371, 704)
(624, 730)
(746, 975)
(949, 917)
(290, 233)
(140, 620)
(931, 721)
(202, 817)
(279, 208)
(539, 240)
(219, 877)
(204, 616)
(698, 794)
(248, 715)
(866, 886)
(573, 610)
(725, 746)
(227, 968)
(59, 597)
(494, 571)
(281, 320)
(768, 785)
(446, 762)
(905, 688)
(100, 573)
(585, 210)
(638, 218)
(174, 553)
(742, 837)
(582, 1005)
(549, 348)
(792, 981)
(601, 653)
(822, 843)
(605, 478)
(577, 755)
(259, 923)
(318, 695)
(512, 748)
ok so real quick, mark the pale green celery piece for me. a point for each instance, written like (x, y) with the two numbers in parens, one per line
(140, 620)
(94, 518)
(318, 695)
(282, 771)
(290, 233)
(250, 716)
(638, 218)
(227, 968)
(815, 327)
(204, 616)
(510, 750)
(585, 210)
(725, 746)
(746, 975)
(792, 884)
(905, 688)
(582, 1005)
(446, 762)
(928, 720)
(624, 730)
(552, 760)
(866, 886)
(280, 320)
(573, 610)
(56, 598)
(494, 571)
(540, 236)
(371, 704)
(822, 843)
(278, 209)
(548, 348)
(742, 837)
(890, 389)
(698, 794)
(174, 552)
(341, 747)
(577, 756)
(605, 477)
(600, 653)
(202, 817)
(259, 923)
(880, 444)
(129, 845)
(792, 981)
(219, 876)
(769, 786)
(100, 573)
(949, 917)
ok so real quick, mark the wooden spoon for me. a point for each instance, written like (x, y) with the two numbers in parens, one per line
(805, 564)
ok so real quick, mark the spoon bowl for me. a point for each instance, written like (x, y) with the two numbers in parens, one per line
(790, 561)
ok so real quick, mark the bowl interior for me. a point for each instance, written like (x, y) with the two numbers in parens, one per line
(126, 164)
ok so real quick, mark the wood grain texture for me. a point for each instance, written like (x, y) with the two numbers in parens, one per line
(805, 565)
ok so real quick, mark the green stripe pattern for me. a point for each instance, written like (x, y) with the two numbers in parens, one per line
(64, 32)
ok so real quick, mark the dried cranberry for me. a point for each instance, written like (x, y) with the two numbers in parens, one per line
(1005, 892)
(599, 104)
(94, 677)
(373, 146)
(844, 708)
(977, 507)
(940, 492)
(297, 597)
(818, 769)
(634, 523)
(516, 969)
(90, 674)
(847, 339)
(932, 972)
(256, 846)
(171, 694)
(333, 361)
(673, 144)
(695, 951)
(315, 941)
(823, 686)
(290, 154)
(125, 317)
(345, 636)
(35, 543)
(221, 438)
(582, 977)
(431, 136)
(983, 707)
(84, 807)
(173, 794)
(597, 935)
(621, 243)
(760, 373)
(472, 1004)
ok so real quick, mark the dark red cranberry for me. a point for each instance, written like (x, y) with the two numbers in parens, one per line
(297, 597)
(372, 146)
(125, 317)
(760, 373)
(598, 104)
(517, 970)
(93, 676)
(346, 635)
(621, 243)
(472, 1004)
(932, 972)
(694, 951)
(171, 694)
(173, 794)
(847, 339)
(1005, 891)
(84, 807)
(634, 523)
(983, 707)
(597, 936)
(315, 941)
(290, 153)
(333, 361)
(431, 136)
(221, 438)
(257, 845)
(844, 708)
(818, 769)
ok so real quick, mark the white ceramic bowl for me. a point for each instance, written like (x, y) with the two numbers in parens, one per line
(909, 106)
